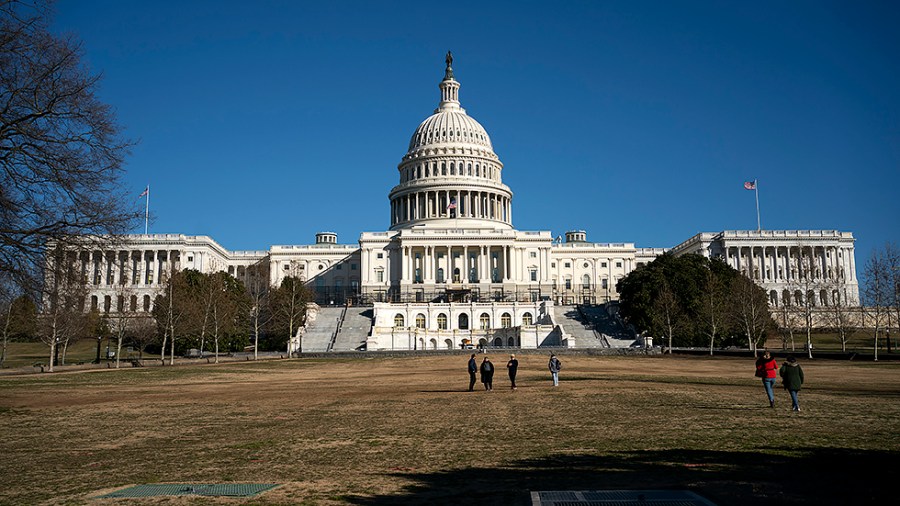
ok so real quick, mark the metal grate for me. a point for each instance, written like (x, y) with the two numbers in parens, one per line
(618, 498)
(181, 489)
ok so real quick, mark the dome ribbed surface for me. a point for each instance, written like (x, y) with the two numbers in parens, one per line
(450, 127)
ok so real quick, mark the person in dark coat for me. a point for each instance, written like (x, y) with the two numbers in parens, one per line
(555, 365)
(512, 367)
(792, 378)
(487, 373)
(473, 368)
(766, 368)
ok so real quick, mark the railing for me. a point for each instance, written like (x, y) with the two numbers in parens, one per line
(337, 329)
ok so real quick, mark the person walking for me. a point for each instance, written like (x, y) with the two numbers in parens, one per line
(487, 373)
(512, 367)
(555, 365)
(766, 368)
(792, 378)
(473, 368)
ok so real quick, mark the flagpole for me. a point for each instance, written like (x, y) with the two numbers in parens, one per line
(756, 189)
(147, 213)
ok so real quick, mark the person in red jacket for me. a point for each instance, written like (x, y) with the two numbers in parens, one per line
(767, 369)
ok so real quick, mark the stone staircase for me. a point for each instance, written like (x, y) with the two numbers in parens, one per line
(604, 320)
(355, 329)
(318, 334)
(574, 324)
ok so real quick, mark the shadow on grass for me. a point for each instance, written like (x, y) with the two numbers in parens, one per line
(776, 476)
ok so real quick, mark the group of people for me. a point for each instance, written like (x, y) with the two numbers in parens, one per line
(512, 368)
(766, 368)
(791, 377)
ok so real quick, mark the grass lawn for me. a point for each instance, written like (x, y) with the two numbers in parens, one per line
(383, 431)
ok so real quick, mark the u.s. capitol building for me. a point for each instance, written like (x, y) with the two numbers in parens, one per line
(452, 270)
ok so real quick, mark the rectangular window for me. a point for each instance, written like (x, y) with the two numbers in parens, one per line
(190, 259)
(352, 267)
(568, 284)
(604, 283)
(533, 274)
(603, 264)
(533, 254)
(618, 265)
(379, 276)
(380, 255)
(568, 265)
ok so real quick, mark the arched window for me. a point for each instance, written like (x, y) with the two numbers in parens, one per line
(440, 275)
(146, 303)
(442, 321)
(773, 298)
(463, 322)
(526, 319)
(485, 321)
(452, 169)
(133, 305)
(823, 297)
(398, 320)
(586, 281)
(506, 321)
(420, 321)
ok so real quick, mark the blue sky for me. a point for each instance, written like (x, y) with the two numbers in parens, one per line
(261, 123)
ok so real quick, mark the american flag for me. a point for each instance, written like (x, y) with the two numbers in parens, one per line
(749, 185)
(145, 192)
(452, 204)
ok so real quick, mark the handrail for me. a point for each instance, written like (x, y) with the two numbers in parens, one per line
(337, 329)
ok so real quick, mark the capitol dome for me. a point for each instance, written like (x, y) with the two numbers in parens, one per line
(449, 127)
(450, 176)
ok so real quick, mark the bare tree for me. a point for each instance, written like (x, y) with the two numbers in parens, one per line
(63, 317)
(173, 306)
(787, 323)
(666, 313)
(713, 308)
(61, 152)
(143, 331)
(259, 289)
(877, 292)
(840, 313)
(289, 305)
(17, 315)
(124, 315)
(750, 310)
(892, 267)
(227, 302)
(805, 280)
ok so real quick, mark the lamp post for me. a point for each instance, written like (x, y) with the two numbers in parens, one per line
(99, 340)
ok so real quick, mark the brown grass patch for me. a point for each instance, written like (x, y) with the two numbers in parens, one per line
(384, 431)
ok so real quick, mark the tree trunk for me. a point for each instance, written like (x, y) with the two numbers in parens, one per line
(162, 350)
(216, 330)
(809, 337)
(874, 344)
(172, 346)
(5, 334)
(256, 338)
(118, 349)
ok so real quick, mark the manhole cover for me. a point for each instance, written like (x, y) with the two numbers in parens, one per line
(203, 489)
(618, 498)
